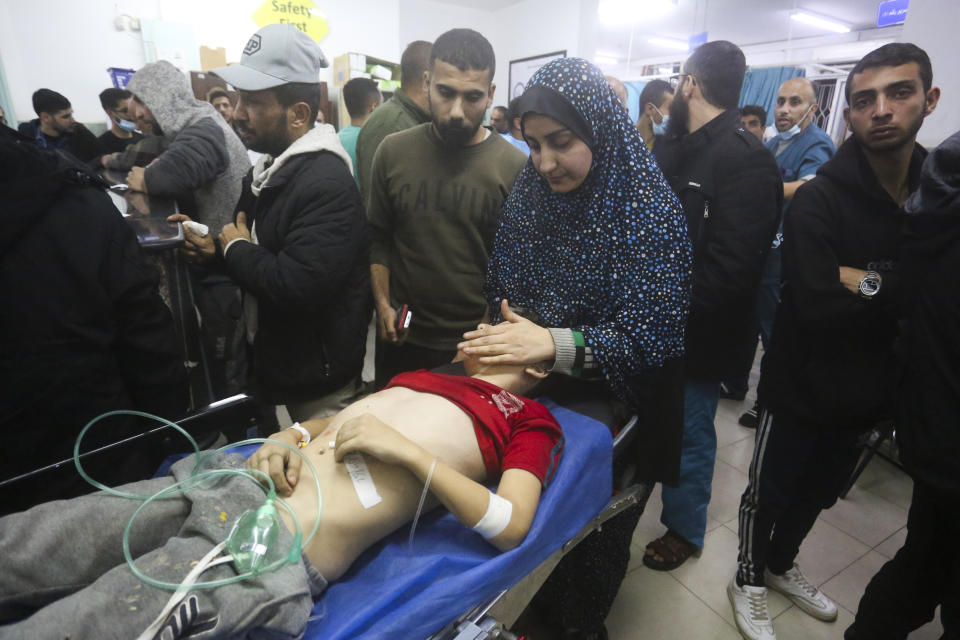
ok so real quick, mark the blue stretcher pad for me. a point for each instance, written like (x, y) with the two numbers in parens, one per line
(391, 592)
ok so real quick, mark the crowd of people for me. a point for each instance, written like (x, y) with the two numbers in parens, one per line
(634, 262)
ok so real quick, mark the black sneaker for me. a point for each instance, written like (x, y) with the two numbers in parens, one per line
(727, 394)
(751, 418)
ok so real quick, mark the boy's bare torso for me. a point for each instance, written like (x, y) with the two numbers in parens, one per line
(346, 527)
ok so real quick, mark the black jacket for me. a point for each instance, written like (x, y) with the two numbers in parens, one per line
(82, 327)
(831, 359)
(81, 143)
(731, 192)
(310, 274)
(928, 398)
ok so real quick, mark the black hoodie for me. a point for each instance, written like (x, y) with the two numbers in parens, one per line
(82, 327)
(928, 398)
(831, 360)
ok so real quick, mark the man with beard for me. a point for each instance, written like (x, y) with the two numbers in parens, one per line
(55, 128)
(435, 199)
(800, 147)
(731, 192)
(298, 245)
(829, 375)
(201, 167)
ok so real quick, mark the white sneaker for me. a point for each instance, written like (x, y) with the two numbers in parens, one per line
(750, 611)
(805, 595)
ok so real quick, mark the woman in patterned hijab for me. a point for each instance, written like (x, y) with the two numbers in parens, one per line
(592, 239)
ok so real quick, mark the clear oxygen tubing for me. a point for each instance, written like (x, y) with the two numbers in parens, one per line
(299, 542)
(291, 557)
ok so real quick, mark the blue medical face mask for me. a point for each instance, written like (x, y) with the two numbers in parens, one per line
(795, 129)
(125, 125)
(660, 128)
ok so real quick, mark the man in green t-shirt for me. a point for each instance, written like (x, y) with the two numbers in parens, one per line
(407, 108)
(436, 192)
(360, 96)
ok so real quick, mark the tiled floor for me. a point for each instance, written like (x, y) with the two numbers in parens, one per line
(847, 546)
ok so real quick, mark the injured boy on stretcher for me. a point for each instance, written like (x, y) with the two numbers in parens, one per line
(63, 569)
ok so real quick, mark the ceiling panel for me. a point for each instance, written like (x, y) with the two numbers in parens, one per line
(744, 22)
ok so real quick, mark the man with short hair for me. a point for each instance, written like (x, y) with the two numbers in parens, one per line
(925, 573)
(655, 99)
(408, 107)
(221, 101)
(360, 96)
(753, 117)
(799, 148)
(730, 190)
(55, 128)
(499, 120)
(434, 205)
(830, 373)
(299, 246)
(515, 135)
(122, 131)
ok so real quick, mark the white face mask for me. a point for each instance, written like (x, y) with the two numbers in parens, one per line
(795, 129)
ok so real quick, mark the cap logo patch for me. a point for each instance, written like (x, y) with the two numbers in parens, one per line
(253, 45)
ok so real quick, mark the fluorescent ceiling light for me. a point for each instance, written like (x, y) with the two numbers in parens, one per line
(605, 61)
(614, 12)
(817, 21)
(670, 43)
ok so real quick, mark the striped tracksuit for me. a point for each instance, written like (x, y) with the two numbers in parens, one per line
(798, 469)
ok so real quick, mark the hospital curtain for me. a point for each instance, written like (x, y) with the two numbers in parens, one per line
(760, 87)
(633, 99)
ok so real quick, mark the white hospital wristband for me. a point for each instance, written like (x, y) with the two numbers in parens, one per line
(497, 517)
(304, 434)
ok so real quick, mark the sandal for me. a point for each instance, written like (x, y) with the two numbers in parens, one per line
(669, 552)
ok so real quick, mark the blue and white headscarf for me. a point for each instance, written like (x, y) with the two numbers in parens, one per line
(611, 259)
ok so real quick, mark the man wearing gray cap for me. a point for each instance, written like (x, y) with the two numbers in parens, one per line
(298, 246)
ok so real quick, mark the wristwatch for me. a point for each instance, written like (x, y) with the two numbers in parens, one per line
(870, 285)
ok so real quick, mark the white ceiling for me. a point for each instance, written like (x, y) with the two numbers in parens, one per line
(489, 5)
(744, 22)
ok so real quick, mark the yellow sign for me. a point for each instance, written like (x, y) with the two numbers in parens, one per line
(302, 14)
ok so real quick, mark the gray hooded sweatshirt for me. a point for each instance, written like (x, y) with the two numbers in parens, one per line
(205, 159)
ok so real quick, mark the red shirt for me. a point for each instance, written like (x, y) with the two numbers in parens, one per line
(513, 432)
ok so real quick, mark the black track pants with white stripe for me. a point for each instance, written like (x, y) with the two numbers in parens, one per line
(798, 469)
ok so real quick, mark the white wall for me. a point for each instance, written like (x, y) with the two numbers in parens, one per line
(68, 46)
(526, 29)
(534, 27)
(425, 20)
(931, 25)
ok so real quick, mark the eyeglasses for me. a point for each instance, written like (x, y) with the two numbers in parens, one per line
(677, 79)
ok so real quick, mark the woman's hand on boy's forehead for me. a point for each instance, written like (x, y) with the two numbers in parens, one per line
(515, 341)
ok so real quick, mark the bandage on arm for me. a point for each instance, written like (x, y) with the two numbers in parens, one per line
(495, 520)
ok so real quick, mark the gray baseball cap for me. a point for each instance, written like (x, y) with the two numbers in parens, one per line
(275, 55)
